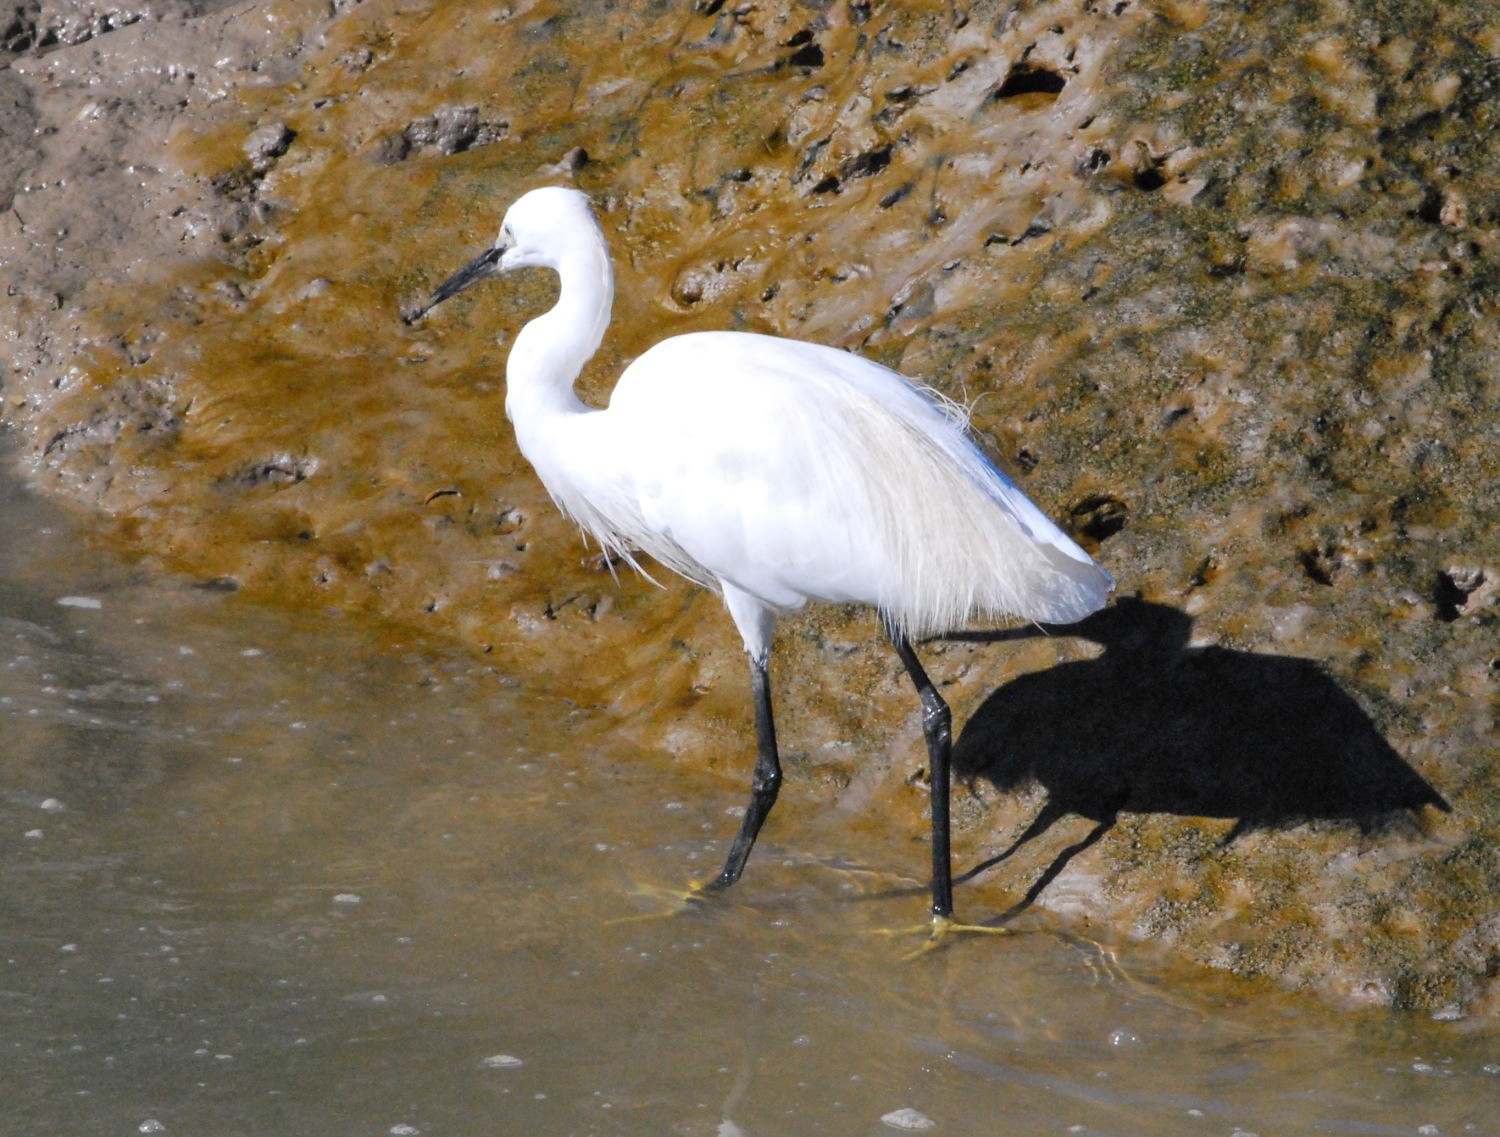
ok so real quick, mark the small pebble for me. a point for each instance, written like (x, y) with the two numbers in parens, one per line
(500, 1061)
(268, 143)
(908, 1118)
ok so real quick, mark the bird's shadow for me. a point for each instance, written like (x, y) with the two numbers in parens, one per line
(1153, 725)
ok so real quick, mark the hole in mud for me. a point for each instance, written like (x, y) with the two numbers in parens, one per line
(1099, 516)
(1451, 591)
(1448, 598)
(1149, 179)
(1431, 208)
(867, 164)
(1316, 566)
(808, 55)
(1030, 79)
(1094, 161)
(1035, 229)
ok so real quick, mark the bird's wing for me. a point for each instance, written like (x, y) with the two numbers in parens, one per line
(943, 420)
(799, 472)
(731, 463)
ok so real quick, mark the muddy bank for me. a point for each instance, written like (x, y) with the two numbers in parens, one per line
(1220, 289)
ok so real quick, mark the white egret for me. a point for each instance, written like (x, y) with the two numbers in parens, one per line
(775, 472)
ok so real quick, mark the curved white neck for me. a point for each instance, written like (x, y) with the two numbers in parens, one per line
(551, 350)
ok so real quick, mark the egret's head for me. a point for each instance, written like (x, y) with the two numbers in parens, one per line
(539, 229)
(542, 226)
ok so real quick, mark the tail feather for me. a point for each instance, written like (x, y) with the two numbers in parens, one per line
(961, 541)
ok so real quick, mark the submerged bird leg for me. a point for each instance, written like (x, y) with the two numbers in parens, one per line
(765, 783)
(937, 725)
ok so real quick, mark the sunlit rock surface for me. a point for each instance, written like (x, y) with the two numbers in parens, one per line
(1220, 289)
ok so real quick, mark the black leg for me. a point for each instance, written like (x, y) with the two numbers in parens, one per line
(766, 782)
(937, 725)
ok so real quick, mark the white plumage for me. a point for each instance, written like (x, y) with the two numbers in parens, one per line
(774, 471)
(797, 472)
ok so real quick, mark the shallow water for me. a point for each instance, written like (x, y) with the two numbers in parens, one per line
(265, 874)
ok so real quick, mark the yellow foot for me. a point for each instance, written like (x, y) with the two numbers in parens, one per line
(939, 930)
(669, 902)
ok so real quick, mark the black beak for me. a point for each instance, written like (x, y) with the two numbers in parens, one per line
(485, 264)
